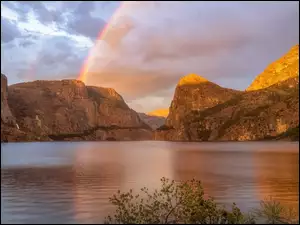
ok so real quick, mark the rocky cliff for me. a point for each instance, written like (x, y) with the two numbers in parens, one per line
(267, 110)
(6, 115)
(70, 110)
(153, 121)
(195, 93)
(278, 71)
(9, 128)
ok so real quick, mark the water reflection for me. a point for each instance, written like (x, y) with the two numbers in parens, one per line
(71, 182)
(29, 192)
(277, 175)
(229, 177)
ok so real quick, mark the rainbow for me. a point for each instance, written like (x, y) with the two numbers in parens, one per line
(88, 61)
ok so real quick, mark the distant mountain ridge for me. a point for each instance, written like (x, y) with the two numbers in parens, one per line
(159, 112)
(153, 121)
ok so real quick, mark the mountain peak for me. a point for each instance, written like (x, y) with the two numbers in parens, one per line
(282, 69)
(192, 79)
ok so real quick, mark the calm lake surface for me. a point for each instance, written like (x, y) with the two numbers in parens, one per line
(68, 182)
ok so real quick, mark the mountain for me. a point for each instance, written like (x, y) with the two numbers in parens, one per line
(153, 121)
(70, 110)
(194, 92)
(278, 71)
(204, 111)
(159, 112)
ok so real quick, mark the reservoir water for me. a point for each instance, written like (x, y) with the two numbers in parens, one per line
(70, 182)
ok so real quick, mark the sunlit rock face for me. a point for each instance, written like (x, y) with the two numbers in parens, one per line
(195, 93)
(70, 110)
(282, 69)
(268, 109)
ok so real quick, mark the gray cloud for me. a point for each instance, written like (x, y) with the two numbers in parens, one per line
(43, 14)
(224, 30)
(26, 43)
(9, 30)
(55, 58)
(21, 11)
(85, 25)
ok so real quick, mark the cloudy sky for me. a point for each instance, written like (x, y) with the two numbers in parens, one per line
(146, 46)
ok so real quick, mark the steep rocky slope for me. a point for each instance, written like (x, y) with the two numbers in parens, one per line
(6, 115)
(9, 128)
(195, 93)
(69, 110)
(282, 69)
(263, 113)
(153, 121)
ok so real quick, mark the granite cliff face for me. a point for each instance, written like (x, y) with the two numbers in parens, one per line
(6, 115)
(69, 110)
(195, 93)
(282, 69)
(9, 128)
(267, 110)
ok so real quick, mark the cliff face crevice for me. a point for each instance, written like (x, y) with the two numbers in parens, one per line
(203, 111)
